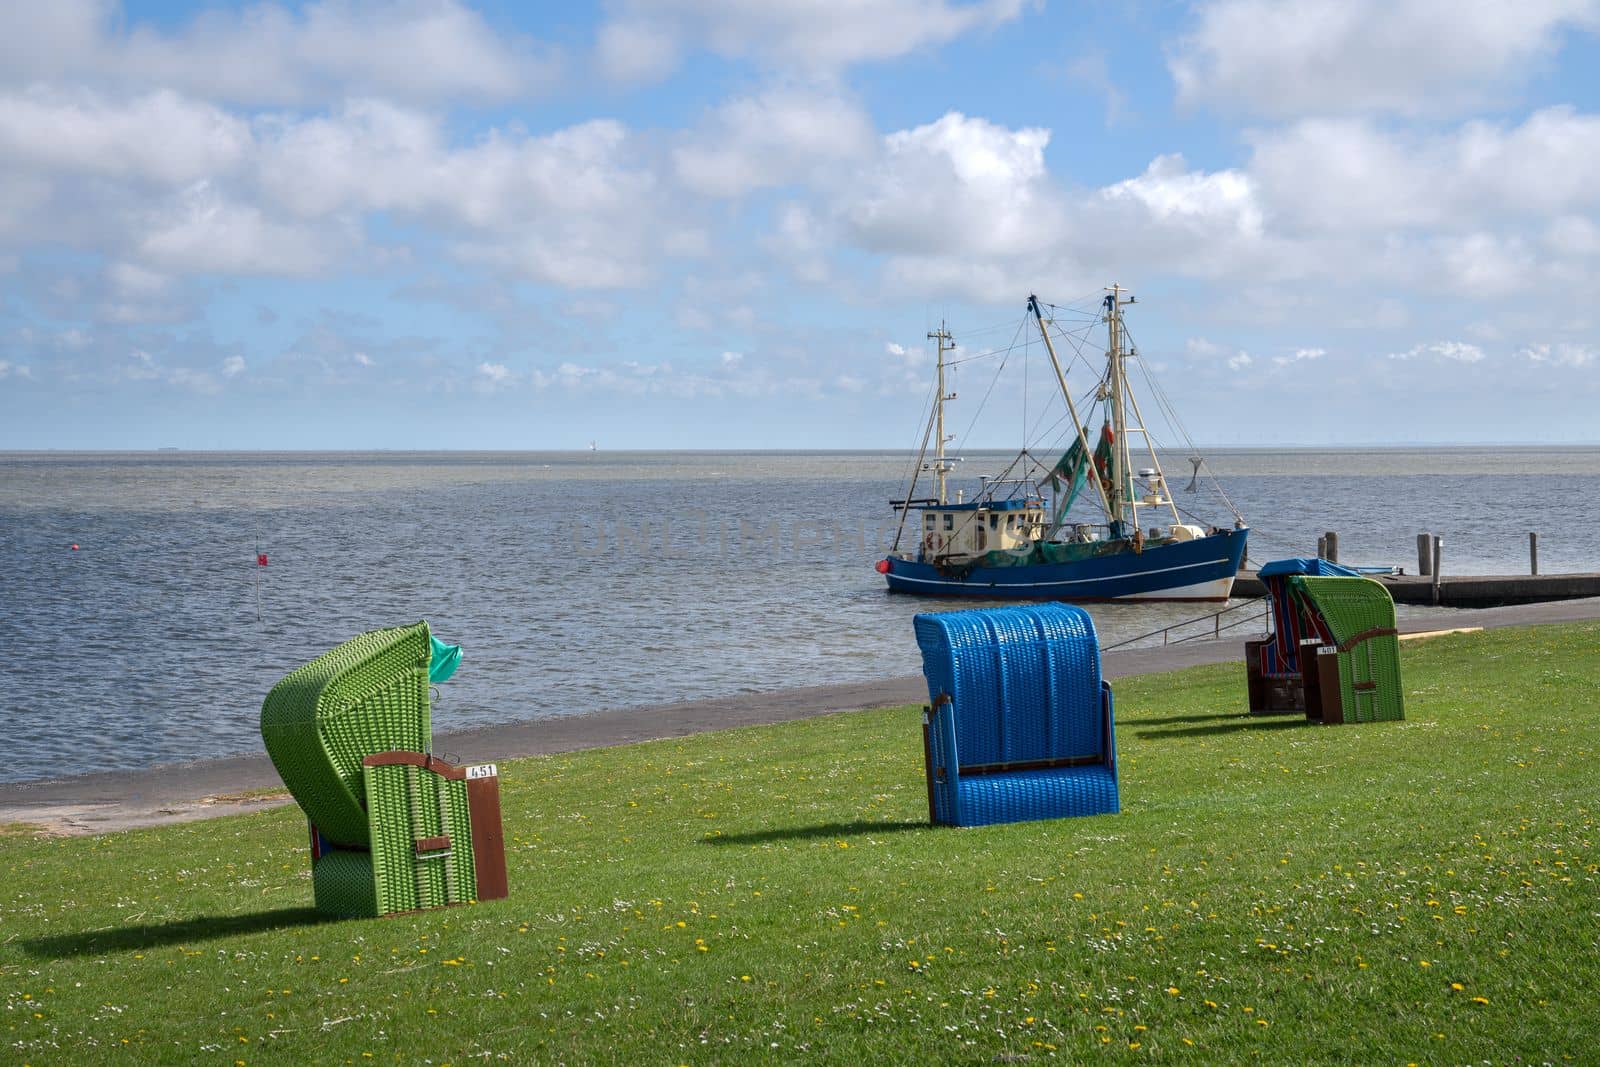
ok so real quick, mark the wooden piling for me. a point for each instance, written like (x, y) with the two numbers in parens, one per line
(1438, 544)
(1331, 540)
(1533, 552)
(1424, 554)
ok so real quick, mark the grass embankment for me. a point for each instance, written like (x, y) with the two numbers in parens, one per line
(1421, 891)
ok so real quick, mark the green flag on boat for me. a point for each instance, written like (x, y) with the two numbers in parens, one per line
(1073, 468)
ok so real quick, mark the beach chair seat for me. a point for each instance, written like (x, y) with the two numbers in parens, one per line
(392, 827)
(1019, 723)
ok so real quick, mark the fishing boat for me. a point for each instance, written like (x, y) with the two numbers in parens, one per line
(1017, 537)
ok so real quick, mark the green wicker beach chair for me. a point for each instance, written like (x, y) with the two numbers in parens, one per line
(392, 828)
(1359, 676)
(1333, 653)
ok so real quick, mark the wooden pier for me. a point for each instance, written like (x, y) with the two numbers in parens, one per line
(1482, 591)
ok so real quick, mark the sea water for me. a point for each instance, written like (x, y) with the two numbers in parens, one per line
(584, 581)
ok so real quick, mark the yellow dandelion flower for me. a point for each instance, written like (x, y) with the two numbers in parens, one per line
(1457, 986)
(1480, 1000)
(1172, 990)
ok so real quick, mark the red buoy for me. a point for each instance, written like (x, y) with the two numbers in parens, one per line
(261, 559)
(883, 566)
(74, 548)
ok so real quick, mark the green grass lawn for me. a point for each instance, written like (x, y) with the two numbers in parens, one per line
(1423, 891)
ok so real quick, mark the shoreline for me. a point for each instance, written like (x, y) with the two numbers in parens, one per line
(110, 801)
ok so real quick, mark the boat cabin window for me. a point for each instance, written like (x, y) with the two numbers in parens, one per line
(949, 522)
(927, 522)
(1011, 522)
(994, 521)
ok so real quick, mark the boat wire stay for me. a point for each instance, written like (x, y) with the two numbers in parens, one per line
(1262, 609)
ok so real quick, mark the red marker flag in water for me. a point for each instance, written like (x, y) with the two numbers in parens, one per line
(261, 559)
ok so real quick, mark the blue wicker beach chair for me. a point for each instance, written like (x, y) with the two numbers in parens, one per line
(392, 827)
(1019, 724)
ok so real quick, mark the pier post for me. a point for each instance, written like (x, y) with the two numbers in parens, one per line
(1322, 548)
(1424, 554)
(1533, 552)
(1438, 543)
(1331, 540)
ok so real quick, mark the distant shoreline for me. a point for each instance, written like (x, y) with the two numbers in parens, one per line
(1371, 446)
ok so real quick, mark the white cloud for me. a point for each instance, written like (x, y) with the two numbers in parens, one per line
(203, 231)
(960, 205)
(493, 377)
(1561, 355)
(1299, 355)
(1344, 174)
(363, 359)
(732, 359)
(233, 366)
(1442, 352)
(1573, 235)
(1405, 57)
(1174, 195)
(143, 367)
(271, 54)
(645, 39)
(778, 138)
(638, 49)
(1239, 360)
(159, 137)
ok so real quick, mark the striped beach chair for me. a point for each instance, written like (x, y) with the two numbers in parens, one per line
(1333, 652)
(1019, 724)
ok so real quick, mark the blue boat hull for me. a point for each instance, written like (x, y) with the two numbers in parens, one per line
(1201, 569)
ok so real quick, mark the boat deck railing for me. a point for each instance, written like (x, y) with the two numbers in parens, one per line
(1257, 609)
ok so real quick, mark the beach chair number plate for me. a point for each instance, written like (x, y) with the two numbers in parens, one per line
(482, 770)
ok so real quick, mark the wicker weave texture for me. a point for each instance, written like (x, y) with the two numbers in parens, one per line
(1025, 681)
(1351, 607)
(341, 882)
(409, 804)
(1024, 685)
(1053, 794)
(368, 695)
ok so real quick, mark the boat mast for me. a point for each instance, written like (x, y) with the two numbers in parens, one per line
(940, 467)
(1072, 409)
(1119, 419)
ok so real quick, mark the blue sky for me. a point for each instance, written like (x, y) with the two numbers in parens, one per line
(714, 224)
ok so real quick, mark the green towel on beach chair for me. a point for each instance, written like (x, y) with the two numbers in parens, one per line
(446, 658)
